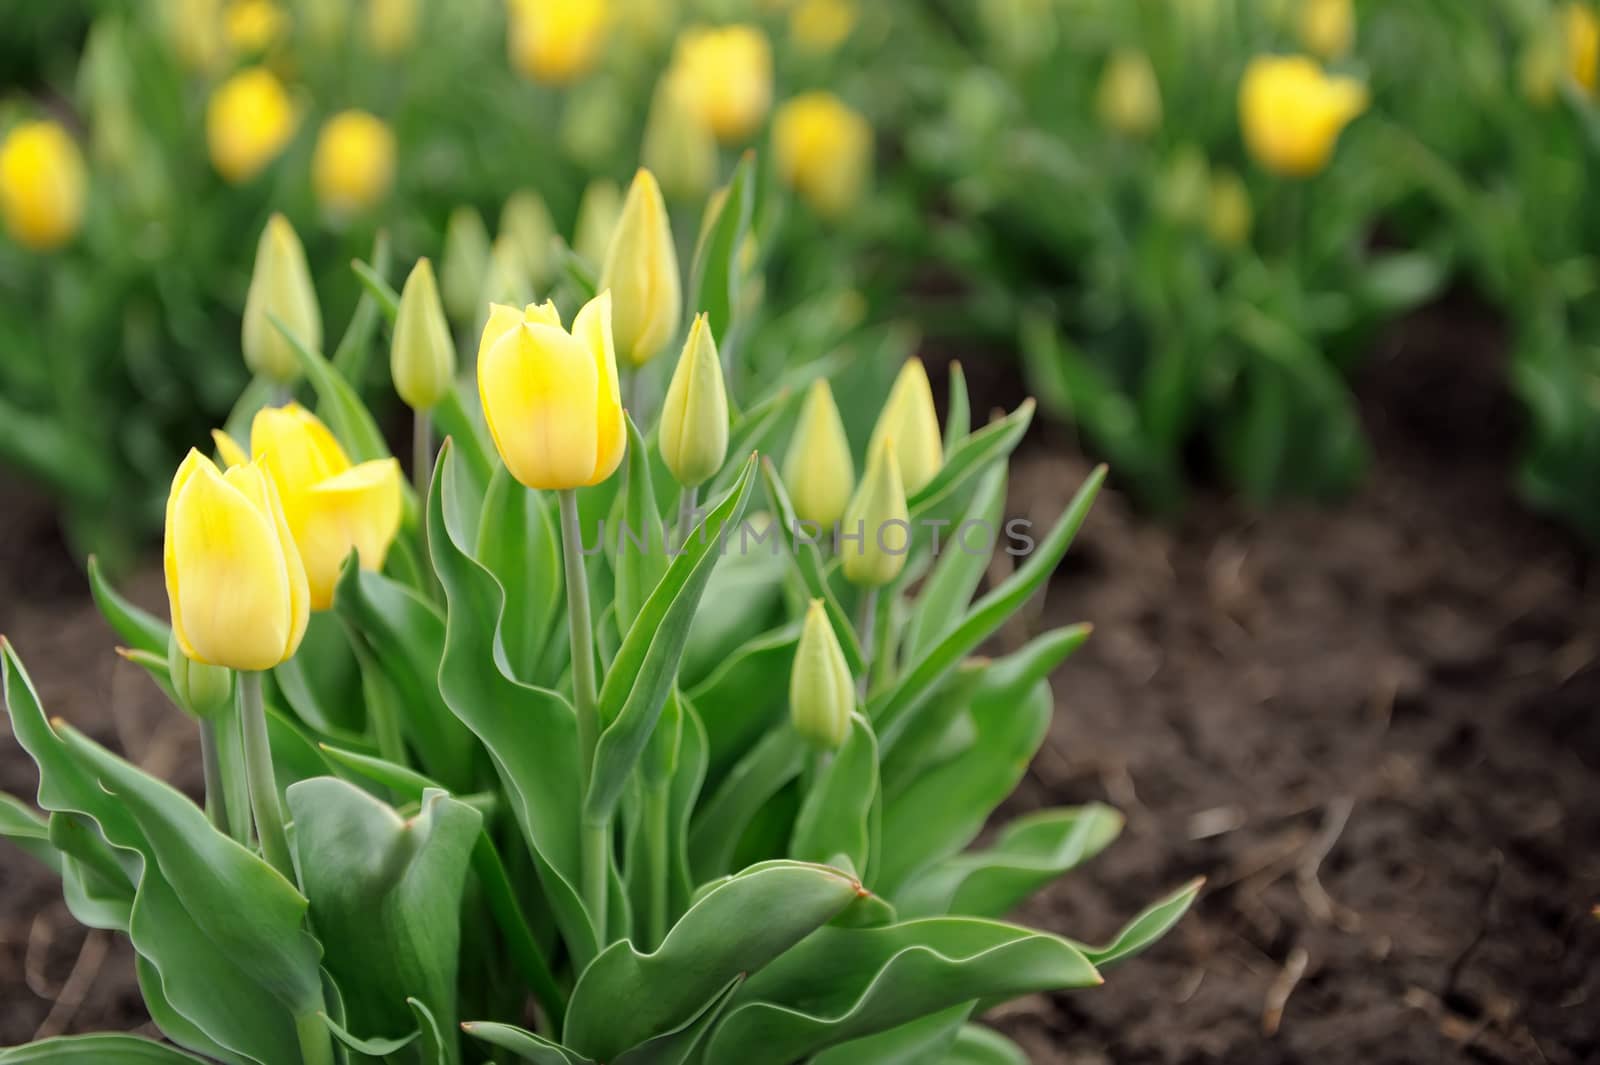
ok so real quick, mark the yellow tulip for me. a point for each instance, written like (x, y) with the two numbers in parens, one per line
(598, 212)
(556, 41)
(551, 397)
(422, 357)
(1129, 96)
(1327, 27)
(875, 536)
(823, 150)
(42, 185)
(678, 145)
(1228, 212)
(821, 692)
(235, 582)
(727, 74)
(254, 26)
(908, 418)
(820, 26)
(330, 506)
(280, 285)
(1583, 45)
(641, 271)
(353, 165)
(1291, 113)
(249, 121)
(392, 25)
(694, 416)
(818, 470)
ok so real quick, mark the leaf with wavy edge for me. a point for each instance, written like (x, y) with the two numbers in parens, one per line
(625, 998)
(977, 1045)
(845, 983)
(1146, 928)
(916, 1043)
(101, 1049)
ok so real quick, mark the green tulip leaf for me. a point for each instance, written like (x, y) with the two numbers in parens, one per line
(637, 683)
(640, 537)
(842, 984)
(916, 1043)
(681, 1045)
(530, 733)
(526, 1045)
(739, 703)
(519, 545)
(337, 402)
(25, 827)
(721, 821)
(385, 897)
(958, 410)
(1030, 852)
(100, 1049)
(135, 626)
(977, 1045)
(372, 1048)
(839, 817)
(355, 347)
(1146, 928)
(714, 275)
(808, 561)
(973, 455)
(947, 591)
(625, 998)
(432, 1048)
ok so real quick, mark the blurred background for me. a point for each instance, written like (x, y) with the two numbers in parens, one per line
(1318, 278)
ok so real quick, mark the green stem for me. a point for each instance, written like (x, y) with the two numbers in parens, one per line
(259, 775)
(596, 837)
(687, 501)
(316, 1042)
(211, 764)
(869, 622)
(422, 452)
(657, 809)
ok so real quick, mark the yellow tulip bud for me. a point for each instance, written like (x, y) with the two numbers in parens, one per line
(281, 286)
(556, 41)
(820, 26)
(42, 185)
(1327, 27)
(727, 74)
(1229, 215)
(392, 25)
(1583, 45)
(875, 536)
(678, 145)
(551, 397)
(200, 689)
(254, 26)
(235, 583)
(466, 259)
(818, 470)
(1129, 97)
(422, 357)
(353, 165)
(821, 692)
(641, 271)
(525, 221)
(908, 418)
(823, 150)
(249, 121)
(694, 417)
(330, 507)
(1291, 113)
(598, 213)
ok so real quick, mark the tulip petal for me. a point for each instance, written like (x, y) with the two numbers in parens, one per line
(357, 510)
(229, 448)
(538, 387)
(502, 320)
(592, 329)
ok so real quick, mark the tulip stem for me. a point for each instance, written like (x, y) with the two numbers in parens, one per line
(422, 453)
(869, 622)
(316, 1042)
(688, 501)
(658, 809)
(216, 791)
(259, 776)
(596, 839)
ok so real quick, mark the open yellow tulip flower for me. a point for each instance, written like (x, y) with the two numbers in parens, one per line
(234, 576)
(1291, 113)
(551, 396)
(42, 185)
(330, 505)
(249, 121)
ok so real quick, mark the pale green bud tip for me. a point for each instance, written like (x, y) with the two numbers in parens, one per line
(641, 271)
(875, 535)
(818, 469)
(821, 690)
(910, 419)
(422, 358)
(694, 418)
(200, 689)
(466, 260)
(280, 286)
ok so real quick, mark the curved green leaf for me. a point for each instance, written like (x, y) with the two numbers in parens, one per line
(640, 537)
(527, 1045)
(714, 274)
(104, 1049)
(808, 561)
(1148, 927)
(720, 822)
(944, 596)
(355, 347)
(28, 830)
(977, 1045)
(836, 821)
(518, 544)
(135, 626)
(337, 402)
(739, 703)
(972, 456)
(626, 998)
(958, 410)
(916, 1043)
(372, 1048)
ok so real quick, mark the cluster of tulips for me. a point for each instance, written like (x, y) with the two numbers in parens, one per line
(723, 814)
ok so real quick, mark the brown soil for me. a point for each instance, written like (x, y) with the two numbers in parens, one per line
(1374, 729)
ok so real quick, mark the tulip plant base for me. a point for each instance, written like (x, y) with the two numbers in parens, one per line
(1423, 658)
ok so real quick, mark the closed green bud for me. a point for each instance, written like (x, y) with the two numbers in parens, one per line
(466, 260)
(505, 281)
(818, 470)
(821, 691)
(694, 418)
(641, 273)
(526, 221)
(909, 419)
(875, 536)
(201, 690)
(598, 212)
(280, 287)
(422, 358)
